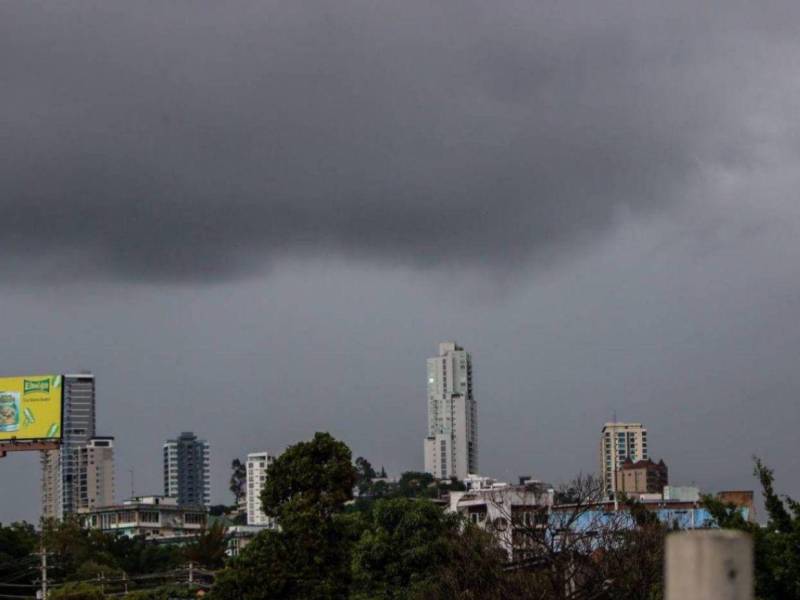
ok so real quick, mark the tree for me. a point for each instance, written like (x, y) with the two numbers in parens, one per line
(306, 490)
(208, 549)
(238, 481)
(414, 484)
(364, 475)
(262, 571)
(474, 568)
(581, 549)
(218, 510)
(71, 546)
(164, 592)
(137, 556)
(776, 546)
(311, 479)
(630, 563)
(402, 545)
(18, 542)
(77, 591)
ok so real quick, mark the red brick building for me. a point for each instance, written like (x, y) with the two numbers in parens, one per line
(642, 477)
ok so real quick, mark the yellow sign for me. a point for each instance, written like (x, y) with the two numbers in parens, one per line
(30, 407)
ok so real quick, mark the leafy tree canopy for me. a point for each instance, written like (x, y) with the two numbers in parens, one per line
(311, 479)
(238, 479)
(403, 543)
(208, 549)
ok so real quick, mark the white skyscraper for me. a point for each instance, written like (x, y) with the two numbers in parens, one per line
(451, 446)
(257, 464)
(619, 442)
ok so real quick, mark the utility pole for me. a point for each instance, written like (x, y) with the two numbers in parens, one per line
(191, 572)
(43, 554)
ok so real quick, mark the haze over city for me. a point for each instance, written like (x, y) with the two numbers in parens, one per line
(256, 221)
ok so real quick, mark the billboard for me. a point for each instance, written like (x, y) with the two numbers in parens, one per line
(30, 407)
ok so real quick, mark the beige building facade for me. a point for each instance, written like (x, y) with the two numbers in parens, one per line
(642, 477)
(96, 473)
(620, 442)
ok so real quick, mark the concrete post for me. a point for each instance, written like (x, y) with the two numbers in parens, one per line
(711, 564)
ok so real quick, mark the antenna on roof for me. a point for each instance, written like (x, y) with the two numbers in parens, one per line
(614, 416)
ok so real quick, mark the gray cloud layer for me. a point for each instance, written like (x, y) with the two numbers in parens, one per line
(192, 140)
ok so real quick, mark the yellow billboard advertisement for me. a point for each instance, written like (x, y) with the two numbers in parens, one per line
(30, 407)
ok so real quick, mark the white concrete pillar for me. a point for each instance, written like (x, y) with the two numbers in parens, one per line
(711, 564)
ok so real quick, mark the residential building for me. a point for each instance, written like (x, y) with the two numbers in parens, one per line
(156, 518)
(477, 482)
(257, 463)
(507, 511)
(96, 473)
(451, 446)
(618, 443)
(66, 471)
(186, 470)
(642, 477)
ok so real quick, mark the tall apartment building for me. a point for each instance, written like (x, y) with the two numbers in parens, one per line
(66, 472)
(96, 474)
(257, 463)
(451, 446)
(186, 470)
(620, 442)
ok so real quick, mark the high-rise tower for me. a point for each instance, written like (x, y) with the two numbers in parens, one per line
(619, 442)
(70, 478)
(257, 465)
(96, 473)
(451, 446)
(186, 470)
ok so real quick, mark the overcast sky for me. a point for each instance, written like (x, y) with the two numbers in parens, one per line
(256, 219)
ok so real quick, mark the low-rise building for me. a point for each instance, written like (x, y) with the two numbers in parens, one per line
(480, 482)
(684, 512)
(642, 477)
(157, 518)
(505, 510)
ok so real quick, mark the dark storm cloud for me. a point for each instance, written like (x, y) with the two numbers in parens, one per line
(184, 140)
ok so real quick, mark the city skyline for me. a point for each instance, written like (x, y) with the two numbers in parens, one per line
(634, 446)
(257, 223)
